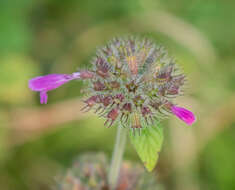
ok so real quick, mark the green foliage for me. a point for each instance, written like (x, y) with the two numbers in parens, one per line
(220, 150)
(14, 75)
(14, 34)
(148, 144)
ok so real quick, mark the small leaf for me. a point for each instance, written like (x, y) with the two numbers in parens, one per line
(148, 144)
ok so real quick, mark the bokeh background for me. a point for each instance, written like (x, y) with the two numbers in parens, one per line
(59, 36)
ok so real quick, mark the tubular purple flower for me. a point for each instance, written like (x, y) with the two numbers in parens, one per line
(183, 114)
(43, 84)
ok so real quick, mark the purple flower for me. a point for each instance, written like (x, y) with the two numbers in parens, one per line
(43, 84)
(183, 114)
(130, 78)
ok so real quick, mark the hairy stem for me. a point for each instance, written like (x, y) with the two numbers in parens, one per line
(117, 157)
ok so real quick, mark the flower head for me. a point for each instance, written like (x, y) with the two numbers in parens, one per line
(137, 79)
(132, 81)
(90, 171)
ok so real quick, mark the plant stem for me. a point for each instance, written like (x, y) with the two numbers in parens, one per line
(117, 157)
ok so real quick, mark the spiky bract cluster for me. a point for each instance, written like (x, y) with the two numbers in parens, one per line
(134, 82)
(90, 172)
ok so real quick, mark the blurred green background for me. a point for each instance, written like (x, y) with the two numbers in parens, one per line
(58, 36)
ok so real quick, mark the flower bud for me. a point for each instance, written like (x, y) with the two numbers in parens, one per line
(126, 111)
(127, 108)
(99, 86)
(183, 114)
(87, 74)
(90, 102)
(145, 111)
(107, 100)
(112, 116)
(114, 85)
(102, 67)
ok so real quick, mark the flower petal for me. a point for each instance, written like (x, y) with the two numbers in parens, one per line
(43, 84)
(49, 82)
(43, 97)
(183, 114)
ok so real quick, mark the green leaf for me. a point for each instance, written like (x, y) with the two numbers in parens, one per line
(148, 144)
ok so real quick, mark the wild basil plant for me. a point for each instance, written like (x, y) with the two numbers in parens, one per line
(132, 83)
